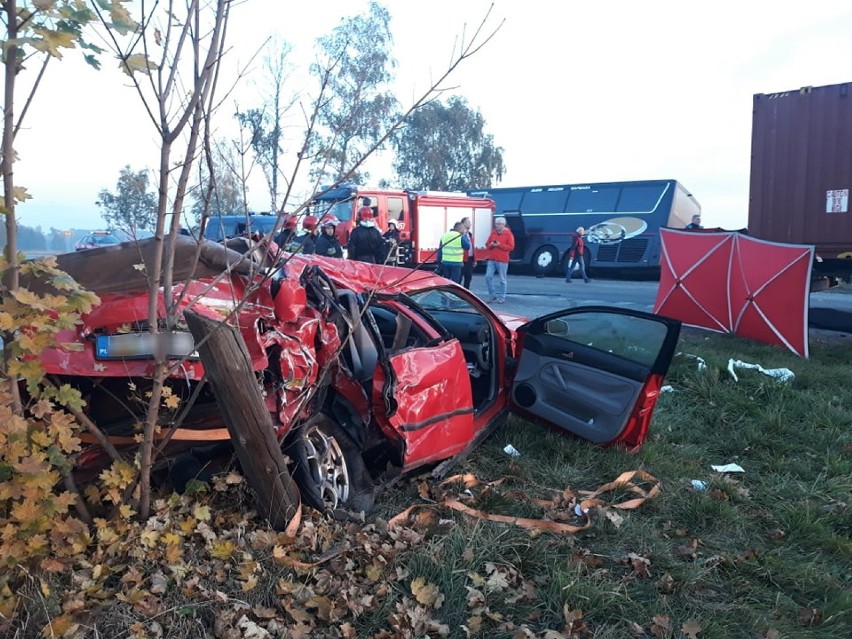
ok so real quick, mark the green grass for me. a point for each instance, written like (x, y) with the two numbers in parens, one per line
(767, 545)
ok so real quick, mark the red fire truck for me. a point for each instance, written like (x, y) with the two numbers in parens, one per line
(421, 217)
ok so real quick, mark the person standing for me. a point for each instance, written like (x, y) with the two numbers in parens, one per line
(576, 255)
(327, 243)
(695, 225)
(391, 238)
(469, 258)
(305, 240)
(451, 252)
(366, 243)
(500, 244)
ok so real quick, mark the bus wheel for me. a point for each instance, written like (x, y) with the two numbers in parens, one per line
(545, 260)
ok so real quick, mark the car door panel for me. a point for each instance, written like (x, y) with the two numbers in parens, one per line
(429, 402)
(594, 372)
(589, 402)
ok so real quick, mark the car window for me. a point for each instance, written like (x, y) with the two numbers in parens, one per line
(443, 300)
(635, 338)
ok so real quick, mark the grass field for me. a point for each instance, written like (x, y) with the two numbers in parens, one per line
(765, 553)
(760, 554)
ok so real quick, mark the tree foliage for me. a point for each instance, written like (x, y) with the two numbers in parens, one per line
(358, 108)
(445, 147)
(132, 207)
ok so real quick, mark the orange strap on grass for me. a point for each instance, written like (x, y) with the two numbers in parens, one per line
(591, 501)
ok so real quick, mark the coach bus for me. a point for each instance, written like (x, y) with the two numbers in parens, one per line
(622, 221)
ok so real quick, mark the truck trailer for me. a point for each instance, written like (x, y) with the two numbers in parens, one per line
(801, 172)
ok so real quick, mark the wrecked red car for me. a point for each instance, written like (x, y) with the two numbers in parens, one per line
(358, 363)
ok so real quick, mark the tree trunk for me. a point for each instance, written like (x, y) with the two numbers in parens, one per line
(228, 366)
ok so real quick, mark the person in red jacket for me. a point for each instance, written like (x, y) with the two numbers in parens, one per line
(575, 255)
(500, 244)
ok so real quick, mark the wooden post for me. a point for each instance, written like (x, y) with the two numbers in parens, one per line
(228, 366)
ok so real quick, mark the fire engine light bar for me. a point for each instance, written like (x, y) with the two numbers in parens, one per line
(145, 346)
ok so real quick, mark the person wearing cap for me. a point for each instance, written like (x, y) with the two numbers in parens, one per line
(327, 243)
(366, 243)
(500, 244)
(451, 252)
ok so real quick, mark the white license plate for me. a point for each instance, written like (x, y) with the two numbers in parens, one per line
(145, 346)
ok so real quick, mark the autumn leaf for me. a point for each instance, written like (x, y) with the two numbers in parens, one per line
(691, 628)
(223, 549)
(661, 626)
(59, 627)
(50, 41)
(426, 594)
(137, 62)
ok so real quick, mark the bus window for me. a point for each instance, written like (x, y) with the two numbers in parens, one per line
(544, 200)
(395, 205)
(592, 200)
(504, 200)
(641, 199)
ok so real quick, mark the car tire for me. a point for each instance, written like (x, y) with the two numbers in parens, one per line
(545, 260)
(329, 468)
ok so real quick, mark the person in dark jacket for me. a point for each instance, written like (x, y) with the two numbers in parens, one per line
(305, 240)
(391, 237)
(287, 232)
(576, 253)
(366, 243)
(327, 243)
(695, 225)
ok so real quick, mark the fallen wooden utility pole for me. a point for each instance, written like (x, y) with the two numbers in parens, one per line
(228, 366)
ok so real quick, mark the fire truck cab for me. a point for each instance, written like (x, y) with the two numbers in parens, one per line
(421, 217)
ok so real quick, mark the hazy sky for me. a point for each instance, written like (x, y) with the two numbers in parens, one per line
(573, 91)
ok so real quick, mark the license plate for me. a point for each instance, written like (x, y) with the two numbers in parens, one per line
(145, 346)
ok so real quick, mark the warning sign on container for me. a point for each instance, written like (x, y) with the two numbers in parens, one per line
(837, 201)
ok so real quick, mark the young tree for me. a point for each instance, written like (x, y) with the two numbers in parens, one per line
(132, 207)
(445, 147)
(265, 124)
(356, 63)
(220, 191)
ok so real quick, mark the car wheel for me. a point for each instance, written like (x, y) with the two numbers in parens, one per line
(329, 468)
(545, 260)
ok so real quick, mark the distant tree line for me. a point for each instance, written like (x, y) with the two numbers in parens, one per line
(442, 145)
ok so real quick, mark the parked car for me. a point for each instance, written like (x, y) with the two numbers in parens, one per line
(96, 239)
(358, 363)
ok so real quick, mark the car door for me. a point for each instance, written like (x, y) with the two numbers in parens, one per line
(594, 372)
(423, 392)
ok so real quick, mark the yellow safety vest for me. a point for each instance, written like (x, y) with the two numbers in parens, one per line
(451, 247)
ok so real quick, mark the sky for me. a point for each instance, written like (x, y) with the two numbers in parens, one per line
(574, 92)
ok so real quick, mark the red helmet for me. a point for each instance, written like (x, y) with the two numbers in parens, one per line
(291, 222)
(365, 213)
(331, 220)
(309, 223)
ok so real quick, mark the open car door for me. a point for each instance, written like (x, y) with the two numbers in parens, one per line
(594, 372)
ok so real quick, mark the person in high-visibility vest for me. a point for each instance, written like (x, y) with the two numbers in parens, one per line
(451, 252)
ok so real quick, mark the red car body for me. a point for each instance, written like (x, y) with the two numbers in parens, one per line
(395, 360)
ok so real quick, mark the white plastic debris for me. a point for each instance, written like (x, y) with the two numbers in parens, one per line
(667, 389)
(511, 451)
(781, 374)
(580, 511)
(728, 468)
(698, 484)
(702, 365)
